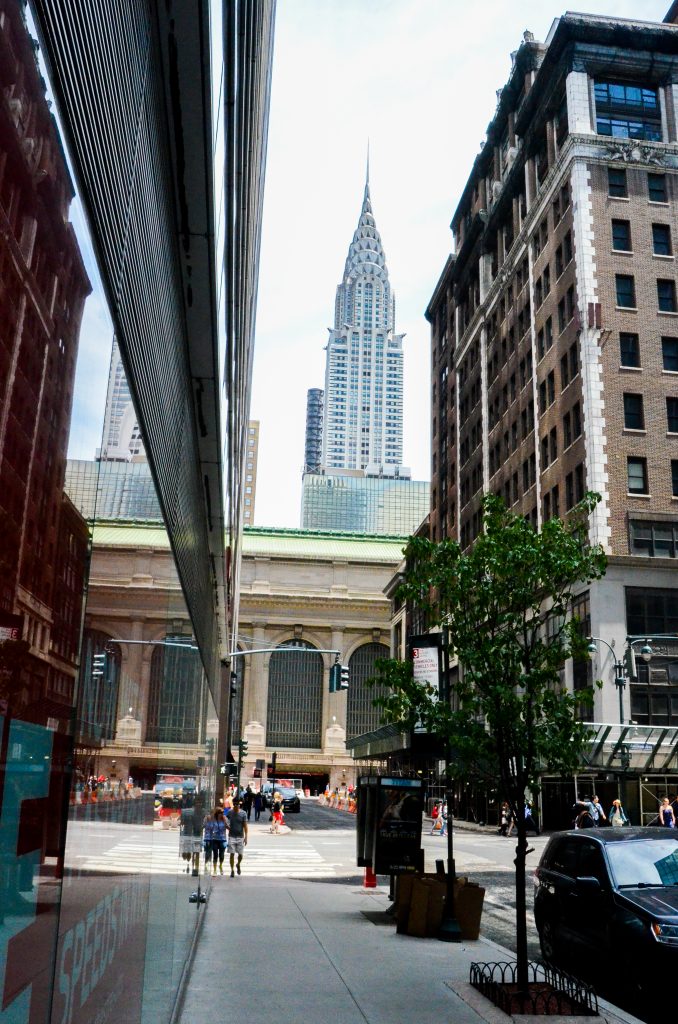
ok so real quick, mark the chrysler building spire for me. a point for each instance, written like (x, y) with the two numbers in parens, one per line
(364, 371)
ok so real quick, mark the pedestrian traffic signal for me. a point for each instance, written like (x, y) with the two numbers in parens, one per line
(343, 683)
(98, 664)
(222, 769)
(335, 678)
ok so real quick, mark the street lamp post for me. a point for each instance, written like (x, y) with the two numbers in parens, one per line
(619, 678)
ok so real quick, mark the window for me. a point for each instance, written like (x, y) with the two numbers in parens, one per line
(672, 415)
(621, 235)
(579, 486)
(567, 430)
(661, 240)
(544, 452)
(670, 354)
(636, 470)
(567, 247)
(555, 502)
(656, 539)
(627, 111)
(548, 330)
(560, 266)
(574, 361)
(576, 420)
(564, 373)
(629, 349)
(633, 412)
(656, 187)
(666, 295)
(540, 343)
(551, 387)
(553, 444)
(547, 280)
(569, 491)
(674, 477)
(616, 182)
(626, 291)
(561, 315)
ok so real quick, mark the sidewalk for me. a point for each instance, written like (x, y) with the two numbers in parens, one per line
(298, 951)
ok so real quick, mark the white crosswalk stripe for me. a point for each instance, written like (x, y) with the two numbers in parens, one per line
(158, 857)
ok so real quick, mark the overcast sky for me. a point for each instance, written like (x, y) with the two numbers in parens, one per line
(418, 78)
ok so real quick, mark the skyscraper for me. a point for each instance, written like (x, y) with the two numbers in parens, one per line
(122, 437)
(314, 430)
(363, 421)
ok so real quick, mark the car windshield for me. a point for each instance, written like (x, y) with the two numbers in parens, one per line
(654, 862)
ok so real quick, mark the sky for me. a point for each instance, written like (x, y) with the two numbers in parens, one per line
(418, 79)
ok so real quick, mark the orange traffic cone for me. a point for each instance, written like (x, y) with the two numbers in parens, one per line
(370, 879)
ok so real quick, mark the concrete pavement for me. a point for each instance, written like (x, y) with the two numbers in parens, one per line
(301, 951)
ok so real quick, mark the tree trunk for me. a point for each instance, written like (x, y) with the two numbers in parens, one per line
(521, 906)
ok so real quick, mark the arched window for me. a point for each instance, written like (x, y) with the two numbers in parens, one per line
(361, 715)
(295, 697)
(176, 700)
(98, 685)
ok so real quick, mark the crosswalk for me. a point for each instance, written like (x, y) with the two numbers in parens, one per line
(267, 855)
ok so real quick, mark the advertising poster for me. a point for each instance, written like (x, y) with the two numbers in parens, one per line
(397, 837)
(425, 653)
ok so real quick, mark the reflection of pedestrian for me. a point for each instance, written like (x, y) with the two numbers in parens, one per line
(237, 839)
(666, 815)
(216, 834)
(248, 800)
(530, 822)
(617, 816)
(257, 806)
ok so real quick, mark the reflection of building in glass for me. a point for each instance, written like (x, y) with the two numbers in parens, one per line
(363, 417)
(314, 430)
(43, 286)
(667, 868)
(121, 437)
(251, 459)
(177, 697)
(112, 490)
(353, 502)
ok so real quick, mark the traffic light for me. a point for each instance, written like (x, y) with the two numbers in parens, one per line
(242, 747)
(343, 681)
(335, 678)
(630, 663)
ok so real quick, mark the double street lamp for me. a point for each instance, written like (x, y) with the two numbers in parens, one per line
(625, 668)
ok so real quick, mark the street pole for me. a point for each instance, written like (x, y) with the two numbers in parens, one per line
(449, 926)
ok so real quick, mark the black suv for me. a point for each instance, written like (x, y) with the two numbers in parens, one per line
(610, 894)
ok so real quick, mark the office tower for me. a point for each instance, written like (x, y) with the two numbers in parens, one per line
(121, 435)
(250, 485)
(314, 430)
(554, 332)
(351, 501)
(363, 419)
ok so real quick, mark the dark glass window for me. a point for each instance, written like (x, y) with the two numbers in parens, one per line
(569, 491)
(661, 239)
(670, 354)
(672, 415)
(651, 612)
(616, 182)
(636, 475)
(621, 235)
(567, 430)
(674, 477)
(656, 539)
(633, 412)
(629, 349)
(627, 111)
(576, 420)
(656, 187)
(666, 295)
(361, 714)
(626, 291)
(567, 247)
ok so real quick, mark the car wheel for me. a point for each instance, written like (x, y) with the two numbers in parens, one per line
(547, 941)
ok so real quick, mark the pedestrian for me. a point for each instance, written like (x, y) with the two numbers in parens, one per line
(437, 819)
(276, 813)
(584, 813)
(257, 805)
(617, 816)
(666, 816)
(598, 812)
(505, 819)
(216, 835)
(674, 805)
(247, 802)
(530, 821)
(443, 830)
(237, 839)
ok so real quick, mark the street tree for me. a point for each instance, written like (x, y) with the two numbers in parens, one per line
(505, 609)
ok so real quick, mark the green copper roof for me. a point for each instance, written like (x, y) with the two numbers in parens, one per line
(265, 541)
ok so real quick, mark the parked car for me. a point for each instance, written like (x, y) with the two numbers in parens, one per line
(606, 900)
(290, 797)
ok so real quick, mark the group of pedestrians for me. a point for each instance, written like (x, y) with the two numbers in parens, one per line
(589, 813)
(507, 819)
(225, 830)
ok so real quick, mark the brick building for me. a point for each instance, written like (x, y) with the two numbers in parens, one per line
(43, 286)
(555, 332)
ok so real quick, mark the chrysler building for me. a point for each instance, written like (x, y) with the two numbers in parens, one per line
(363, 416)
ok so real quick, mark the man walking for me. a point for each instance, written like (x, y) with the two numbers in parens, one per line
(237, 839)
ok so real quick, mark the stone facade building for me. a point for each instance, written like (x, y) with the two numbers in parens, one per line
(555, 331)
(298, 590)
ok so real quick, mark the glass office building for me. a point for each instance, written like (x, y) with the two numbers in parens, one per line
(356, 503)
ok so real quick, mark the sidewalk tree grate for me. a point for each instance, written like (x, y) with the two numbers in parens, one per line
(550, 992)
